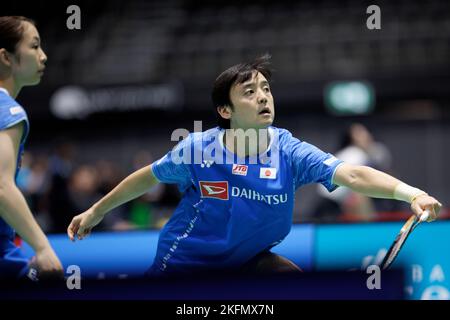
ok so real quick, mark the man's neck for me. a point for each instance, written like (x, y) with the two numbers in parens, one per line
(248, 142)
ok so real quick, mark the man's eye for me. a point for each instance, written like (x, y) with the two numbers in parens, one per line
(248, 92)
(266, 89)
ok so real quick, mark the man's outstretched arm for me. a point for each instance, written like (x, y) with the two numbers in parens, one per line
(132, 187)
(377, 184)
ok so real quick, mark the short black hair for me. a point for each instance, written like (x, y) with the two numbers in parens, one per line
(236, 74)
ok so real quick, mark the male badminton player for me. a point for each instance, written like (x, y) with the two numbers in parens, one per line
(238, 198)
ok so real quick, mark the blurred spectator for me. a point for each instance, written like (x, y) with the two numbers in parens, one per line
(60, 169)
(108, 176)
(83, 188)
(358, 147)
(88, 184)
(143, 211)
(33, 181)
(37, 191)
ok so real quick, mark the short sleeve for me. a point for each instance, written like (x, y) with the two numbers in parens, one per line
(173, 167)
(11, 113)
(312, 165)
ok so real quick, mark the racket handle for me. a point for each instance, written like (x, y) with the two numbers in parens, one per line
(425, 215)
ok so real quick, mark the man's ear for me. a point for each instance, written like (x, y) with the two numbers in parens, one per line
(5, 57)
(225, 111)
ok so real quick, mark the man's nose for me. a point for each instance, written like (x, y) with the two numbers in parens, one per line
(262, 99)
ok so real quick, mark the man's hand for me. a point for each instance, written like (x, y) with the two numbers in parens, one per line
(83, 223)
(425, 202)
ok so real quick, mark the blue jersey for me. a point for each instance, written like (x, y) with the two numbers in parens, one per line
(11, 113)
(233, 208)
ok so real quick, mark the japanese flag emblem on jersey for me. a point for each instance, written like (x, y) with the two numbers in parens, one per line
(268, 173)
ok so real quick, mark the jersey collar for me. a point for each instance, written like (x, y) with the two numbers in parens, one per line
(5, 91)
(271, 134)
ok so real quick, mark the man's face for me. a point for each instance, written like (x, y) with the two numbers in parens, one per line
(252, 103)
(29, 60)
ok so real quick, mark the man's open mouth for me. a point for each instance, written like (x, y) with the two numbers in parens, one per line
(265, 111)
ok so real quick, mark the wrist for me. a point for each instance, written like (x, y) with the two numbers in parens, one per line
(42, 247)
(407, 193)
(417, 196)
(97, 211)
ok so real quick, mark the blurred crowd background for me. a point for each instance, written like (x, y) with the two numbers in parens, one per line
(115, 90)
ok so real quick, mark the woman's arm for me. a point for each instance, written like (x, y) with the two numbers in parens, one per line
(13, 207)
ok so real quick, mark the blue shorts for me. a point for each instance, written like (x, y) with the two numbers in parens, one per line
(13, 264)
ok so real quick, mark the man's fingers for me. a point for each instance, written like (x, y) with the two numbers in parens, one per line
(417, 209)
(437, 207)
(73, 228)
(82, 232)
(425, 215)
(70, 232)
(432, 216)
(88, 232)
(428, 215)
(426, 204)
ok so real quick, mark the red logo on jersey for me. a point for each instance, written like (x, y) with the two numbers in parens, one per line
(240, 169)
(214, 189)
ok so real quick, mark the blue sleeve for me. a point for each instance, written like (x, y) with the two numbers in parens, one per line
(173, 167)
(312, 165)
(11, 113)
